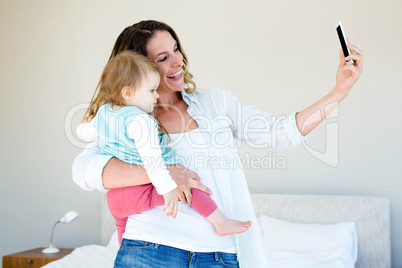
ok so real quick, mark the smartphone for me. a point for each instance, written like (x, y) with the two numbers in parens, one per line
(344, 41)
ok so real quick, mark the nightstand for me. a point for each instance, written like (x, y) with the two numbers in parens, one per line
(33, 258)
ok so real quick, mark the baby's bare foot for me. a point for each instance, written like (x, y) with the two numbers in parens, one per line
(232, 227)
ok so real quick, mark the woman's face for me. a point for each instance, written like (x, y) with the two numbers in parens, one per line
(162, 49)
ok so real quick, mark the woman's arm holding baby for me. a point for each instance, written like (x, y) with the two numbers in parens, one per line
(118, 174)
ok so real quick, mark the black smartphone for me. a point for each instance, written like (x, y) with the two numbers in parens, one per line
(344, 41)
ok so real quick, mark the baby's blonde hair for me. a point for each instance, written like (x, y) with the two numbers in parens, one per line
(127, 68)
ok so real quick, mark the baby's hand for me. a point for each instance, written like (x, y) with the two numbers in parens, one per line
(87, 119)
(171, 203)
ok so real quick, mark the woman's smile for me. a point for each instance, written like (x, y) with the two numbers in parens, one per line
(176, 76)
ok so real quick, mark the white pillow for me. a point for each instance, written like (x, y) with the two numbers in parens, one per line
(113, 242)
(332, 258)
(285, 236)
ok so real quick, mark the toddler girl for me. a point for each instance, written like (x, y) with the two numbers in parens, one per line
(126, 93)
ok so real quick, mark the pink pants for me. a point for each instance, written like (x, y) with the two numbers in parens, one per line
(124, 202)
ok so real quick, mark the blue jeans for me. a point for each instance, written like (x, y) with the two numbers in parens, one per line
(142, 254)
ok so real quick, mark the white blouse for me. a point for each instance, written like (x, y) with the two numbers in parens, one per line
(189, 230)
(222, 119)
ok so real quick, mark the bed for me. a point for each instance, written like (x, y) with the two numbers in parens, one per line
(293, 227)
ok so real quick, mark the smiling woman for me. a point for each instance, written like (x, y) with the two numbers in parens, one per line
(190, 116)
(138, 38)
(169, 60)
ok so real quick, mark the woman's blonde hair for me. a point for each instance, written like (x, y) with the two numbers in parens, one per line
(125, 69)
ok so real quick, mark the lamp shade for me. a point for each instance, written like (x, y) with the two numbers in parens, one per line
(69, 217)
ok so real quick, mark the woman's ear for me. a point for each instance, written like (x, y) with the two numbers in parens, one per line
(127, 92)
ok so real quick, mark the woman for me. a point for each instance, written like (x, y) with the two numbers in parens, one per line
(202, 125)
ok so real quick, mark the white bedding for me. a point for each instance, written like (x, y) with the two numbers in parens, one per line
(369, 214)
(287, 244)
(89, 256)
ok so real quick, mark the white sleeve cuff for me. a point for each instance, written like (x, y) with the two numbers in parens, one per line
(88, 168)
(292, 132)
(95, 171)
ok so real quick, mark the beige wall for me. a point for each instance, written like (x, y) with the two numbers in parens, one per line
(280, 56)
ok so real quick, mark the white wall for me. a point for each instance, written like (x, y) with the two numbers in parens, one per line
(280, 56)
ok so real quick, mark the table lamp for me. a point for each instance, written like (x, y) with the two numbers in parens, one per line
(67, 218)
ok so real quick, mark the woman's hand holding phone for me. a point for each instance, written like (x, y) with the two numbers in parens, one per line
(350, 65)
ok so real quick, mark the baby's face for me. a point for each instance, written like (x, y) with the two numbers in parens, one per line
(145, 96)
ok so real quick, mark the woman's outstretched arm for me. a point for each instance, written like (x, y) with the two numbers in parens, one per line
(346, 77)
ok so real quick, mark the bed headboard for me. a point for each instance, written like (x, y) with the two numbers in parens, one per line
(370, 214)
